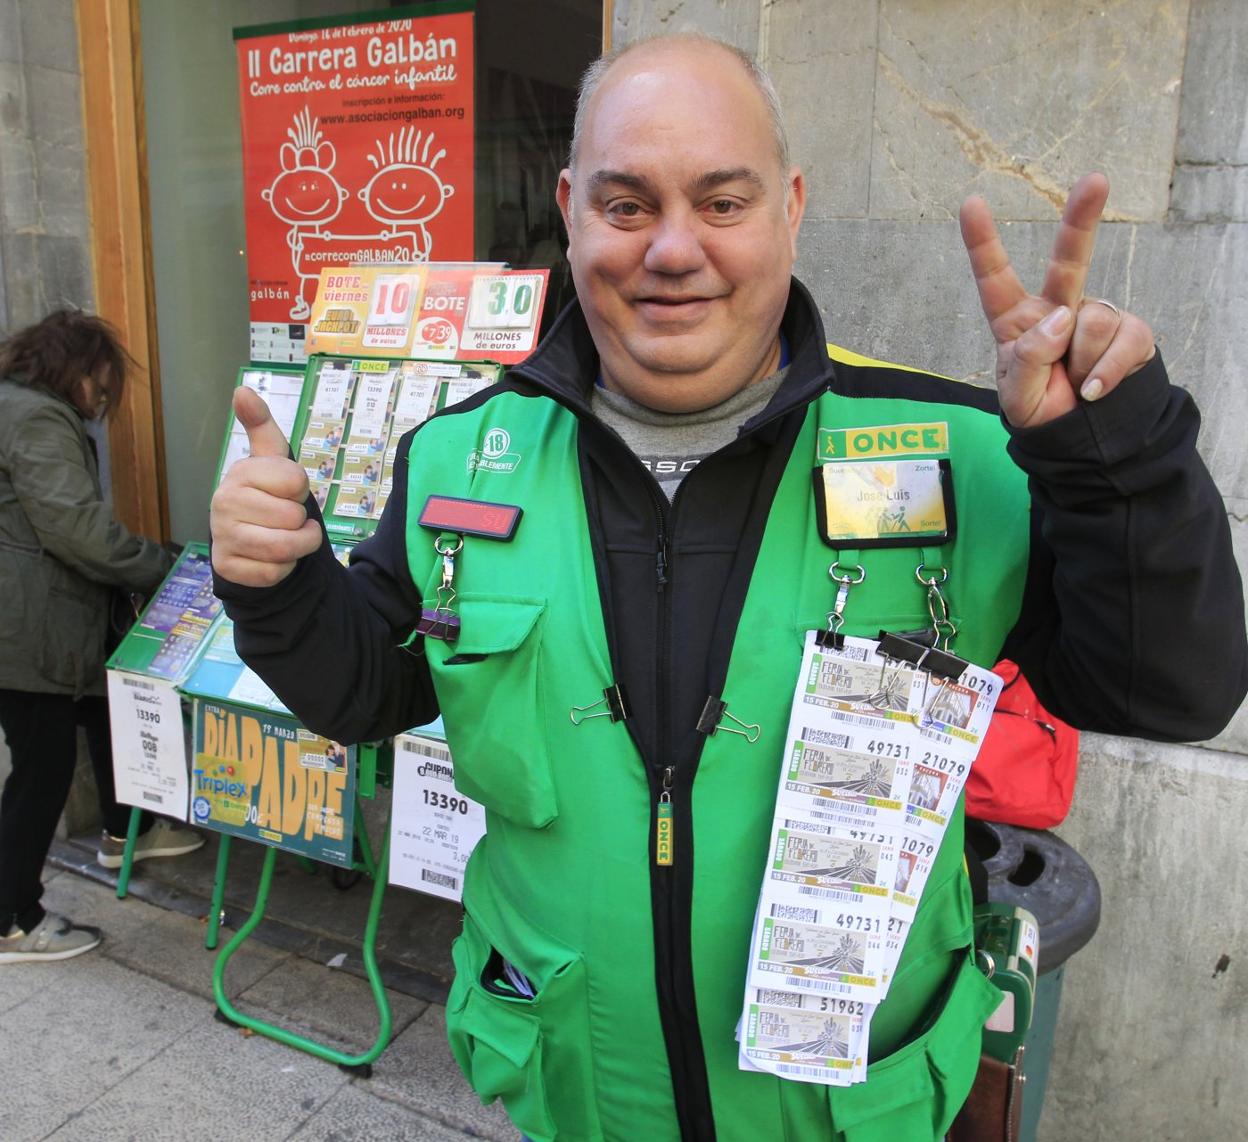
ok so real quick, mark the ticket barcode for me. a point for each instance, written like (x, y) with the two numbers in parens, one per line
(829, 893)
(822, 737)
(424, 750)
(842, 807)
(439, 878)
(148, 795)
(794, 1069)
(857, 719)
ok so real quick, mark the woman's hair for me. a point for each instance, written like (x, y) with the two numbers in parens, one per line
(56, 353)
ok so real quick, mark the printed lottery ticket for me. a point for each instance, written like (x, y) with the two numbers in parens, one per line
(461, 388)
(859, 785)
(835, 950)
(415, 400)
(333, 388)
(809, 1038)
(859, 685)
(370, 410)
(816, 860)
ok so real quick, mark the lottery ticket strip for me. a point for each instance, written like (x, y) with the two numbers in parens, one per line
(877, 754)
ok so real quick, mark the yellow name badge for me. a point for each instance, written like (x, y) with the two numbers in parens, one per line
(885, 503)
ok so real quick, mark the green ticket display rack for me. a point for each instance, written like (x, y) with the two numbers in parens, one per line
(353, 415)
(237, 761)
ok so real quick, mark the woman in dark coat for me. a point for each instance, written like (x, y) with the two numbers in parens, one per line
(63, 557)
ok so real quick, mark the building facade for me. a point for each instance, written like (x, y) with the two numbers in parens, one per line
(897, 110)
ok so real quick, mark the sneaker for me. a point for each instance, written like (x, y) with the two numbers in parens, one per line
(163, 839)
(53, 938)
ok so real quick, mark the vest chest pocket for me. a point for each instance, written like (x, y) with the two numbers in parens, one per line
(488, 686)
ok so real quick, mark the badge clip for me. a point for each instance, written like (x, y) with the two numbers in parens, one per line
(613, 697)
(944, 629)
(713, 714)
(441, 622)
(832, 639)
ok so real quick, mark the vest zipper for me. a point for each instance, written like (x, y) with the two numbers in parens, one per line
(664, 832)
(670, 878)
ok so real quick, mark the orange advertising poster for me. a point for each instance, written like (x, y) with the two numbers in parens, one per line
(357, 147)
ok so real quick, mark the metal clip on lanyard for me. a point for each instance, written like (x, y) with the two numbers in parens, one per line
(944, 628)
(844, 578)
(442, 622)
(939, 661)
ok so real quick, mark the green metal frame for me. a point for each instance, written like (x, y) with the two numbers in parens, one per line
(127, 854)
(378, 869)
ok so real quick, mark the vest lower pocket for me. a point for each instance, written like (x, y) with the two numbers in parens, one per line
(532, 1053)
(487, 684)
(914, 1093)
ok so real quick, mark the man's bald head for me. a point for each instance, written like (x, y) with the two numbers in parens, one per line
(597, 71)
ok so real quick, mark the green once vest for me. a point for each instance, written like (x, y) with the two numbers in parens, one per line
(560, 886)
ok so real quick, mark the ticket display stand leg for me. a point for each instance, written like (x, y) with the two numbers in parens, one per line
(217, 904)
(361, 840)
(362, 1062)
(127, 854)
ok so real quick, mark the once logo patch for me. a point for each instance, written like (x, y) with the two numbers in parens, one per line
(930, 439)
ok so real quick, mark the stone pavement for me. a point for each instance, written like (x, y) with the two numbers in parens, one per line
(123, 1043)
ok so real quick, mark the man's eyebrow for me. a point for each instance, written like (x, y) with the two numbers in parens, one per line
(601, 178)
(707, 181)
(712, 179)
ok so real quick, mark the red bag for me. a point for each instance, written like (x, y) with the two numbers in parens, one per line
(1025, 771)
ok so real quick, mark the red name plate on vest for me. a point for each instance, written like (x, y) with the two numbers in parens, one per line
(470, 517)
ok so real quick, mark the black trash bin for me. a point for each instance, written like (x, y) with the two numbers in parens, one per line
(1042, 873)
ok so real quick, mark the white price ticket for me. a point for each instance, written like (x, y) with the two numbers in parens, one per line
(150, 763)
(433, 827)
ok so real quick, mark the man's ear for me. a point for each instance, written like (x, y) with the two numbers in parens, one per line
(563, 196)
(795, 204)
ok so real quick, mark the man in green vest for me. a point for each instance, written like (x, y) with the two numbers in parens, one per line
(616, 677)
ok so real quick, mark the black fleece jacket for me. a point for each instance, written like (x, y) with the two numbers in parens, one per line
(1132, 619)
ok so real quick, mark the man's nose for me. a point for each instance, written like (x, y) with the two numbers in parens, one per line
(675, 244)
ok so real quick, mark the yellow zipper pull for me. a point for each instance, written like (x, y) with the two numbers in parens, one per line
(664, 839)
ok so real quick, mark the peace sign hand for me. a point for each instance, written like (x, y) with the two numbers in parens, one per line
(1056, 346)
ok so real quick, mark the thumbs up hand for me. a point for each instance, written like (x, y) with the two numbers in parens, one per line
(260, 527)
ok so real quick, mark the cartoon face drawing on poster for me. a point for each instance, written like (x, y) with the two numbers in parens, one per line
(305, 195)
(406, 191)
